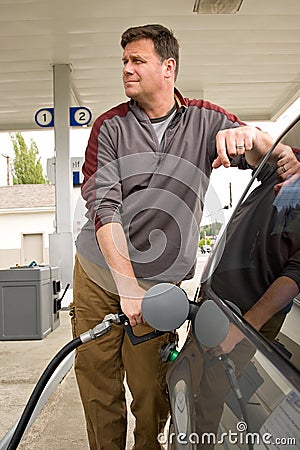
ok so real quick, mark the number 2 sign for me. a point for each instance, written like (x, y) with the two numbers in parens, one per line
(79, 116)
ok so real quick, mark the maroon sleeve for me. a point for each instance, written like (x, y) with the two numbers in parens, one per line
(101, 187)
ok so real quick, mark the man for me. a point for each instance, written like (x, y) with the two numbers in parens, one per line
(146, 171)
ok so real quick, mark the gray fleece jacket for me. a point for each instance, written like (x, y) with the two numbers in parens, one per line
(155, 191)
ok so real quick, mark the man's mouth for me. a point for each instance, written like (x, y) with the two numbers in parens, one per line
(130, 81)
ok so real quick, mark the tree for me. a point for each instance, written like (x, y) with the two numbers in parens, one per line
(203, 241)
(27, 167)
(210, 230)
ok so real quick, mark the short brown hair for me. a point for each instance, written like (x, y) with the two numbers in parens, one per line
(165, 43)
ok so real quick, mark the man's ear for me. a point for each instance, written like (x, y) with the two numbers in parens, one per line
(170, 66)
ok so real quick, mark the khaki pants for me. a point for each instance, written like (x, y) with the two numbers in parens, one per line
(100, 367)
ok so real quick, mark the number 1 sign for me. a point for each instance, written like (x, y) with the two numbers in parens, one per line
(44, 117)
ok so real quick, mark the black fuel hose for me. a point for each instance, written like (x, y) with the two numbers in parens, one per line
(231, 376)
(34, 398)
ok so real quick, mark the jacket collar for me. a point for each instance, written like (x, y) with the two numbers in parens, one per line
(178, 97)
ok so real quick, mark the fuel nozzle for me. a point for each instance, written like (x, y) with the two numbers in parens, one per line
(168, 352)
(100, 329)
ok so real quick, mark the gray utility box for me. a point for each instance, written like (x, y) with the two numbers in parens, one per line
(26, 303)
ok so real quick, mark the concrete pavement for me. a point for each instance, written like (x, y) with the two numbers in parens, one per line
(61, 421)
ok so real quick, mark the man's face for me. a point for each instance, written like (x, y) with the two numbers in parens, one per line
(143, 71)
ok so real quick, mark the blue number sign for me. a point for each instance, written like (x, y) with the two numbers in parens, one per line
(44, 117)
(79, 116)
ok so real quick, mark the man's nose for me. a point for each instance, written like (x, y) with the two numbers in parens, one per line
(128, 68)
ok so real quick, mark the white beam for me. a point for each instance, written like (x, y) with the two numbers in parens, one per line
(61, 247)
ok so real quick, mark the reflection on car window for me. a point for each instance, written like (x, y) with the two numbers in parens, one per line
(258, 270)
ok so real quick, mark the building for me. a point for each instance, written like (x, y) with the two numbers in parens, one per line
(27, 217)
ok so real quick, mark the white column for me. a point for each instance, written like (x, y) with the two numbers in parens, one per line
(61, 247)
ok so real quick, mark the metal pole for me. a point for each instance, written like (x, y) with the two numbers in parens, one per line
(61, 247)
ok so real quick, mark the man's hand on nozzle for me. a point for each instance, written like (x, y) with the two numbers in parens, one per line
(233, 337)
(131, 305)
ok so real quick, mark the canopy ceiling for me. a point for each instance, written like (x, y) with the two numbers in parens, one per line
(248, 62)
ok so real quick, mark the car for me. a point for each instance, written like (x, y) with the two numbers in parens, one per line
(206, 248)
(255, 402)
(257, 385)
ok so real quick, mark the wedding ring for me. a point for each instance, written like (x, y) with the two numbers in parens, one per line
(240, 147)
(283, 169)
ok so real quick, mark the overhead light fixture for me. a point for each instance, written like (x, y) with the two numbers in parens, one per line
(217, 6)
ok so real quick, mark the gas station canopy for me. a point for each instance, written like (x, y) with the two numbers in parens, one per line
(247, 62)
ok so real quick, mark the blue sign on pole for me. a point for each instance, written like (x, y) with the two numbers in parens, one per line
(44, 117)
(80, 116)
